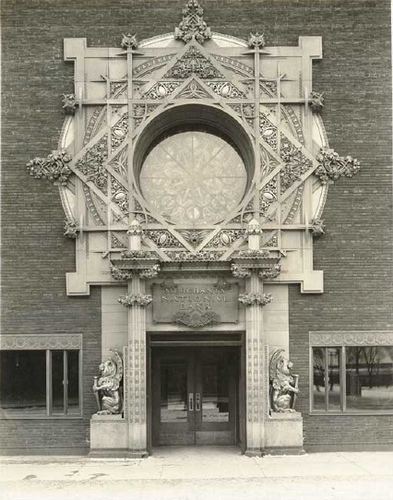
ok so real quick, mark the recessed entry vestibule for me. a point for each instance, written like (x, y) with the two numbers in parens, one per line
(196, 393)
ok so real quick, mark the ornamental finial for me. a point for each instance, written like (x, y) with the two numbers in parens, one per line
(129, 41)
(256, 40)
(192, 25)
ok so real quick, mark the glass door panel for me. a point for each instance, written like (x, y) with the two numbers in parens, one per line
(173, 405)
(215, 400)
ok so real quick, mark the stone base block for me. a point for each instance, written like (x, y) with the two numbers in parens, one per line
(284, 433)
(108, 433)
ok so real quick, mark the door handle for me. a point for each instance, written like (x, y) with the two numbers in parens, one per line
(197, 401)
(190, 401)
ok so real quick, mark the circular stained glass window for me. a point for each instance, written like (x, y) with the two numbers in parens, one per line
(193, 178)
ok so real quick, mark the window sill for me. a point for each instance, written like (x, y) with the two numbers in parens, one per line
(350, 413)
(41, 417)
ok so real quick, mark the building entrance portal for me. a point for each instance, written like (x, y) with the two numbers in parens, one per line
(195, 395)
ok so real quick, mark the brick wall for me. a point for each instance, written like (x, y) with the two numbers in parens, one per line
(355, 254)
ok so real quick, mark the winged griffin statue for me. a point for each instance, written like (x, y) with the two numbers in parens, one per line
(107, 386)
(283, 385)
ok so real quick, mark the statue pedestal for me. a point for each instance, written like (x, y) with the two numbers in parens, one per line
(108, 436)
(284, 433)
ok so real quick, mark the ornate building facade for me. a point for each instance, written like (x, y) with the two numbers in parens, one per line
(226, 194)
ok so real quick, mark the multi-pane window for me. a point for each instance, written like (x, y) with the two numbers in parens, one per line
(40, 383)
(352, 379)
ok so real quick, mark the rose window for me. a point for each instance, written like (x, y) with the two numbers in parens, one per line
(193, 178)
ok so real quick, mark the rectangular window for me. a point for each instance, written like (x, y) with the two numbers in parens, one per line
(352, 379)
(40, 383)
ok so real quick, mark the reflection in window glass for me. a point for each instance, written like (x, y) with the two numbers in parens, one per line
(334, 386)
(22, 382)
(173, 392)
(73, 382)
(57, 382)
(215, 395)
(369, 378)
(319, 378)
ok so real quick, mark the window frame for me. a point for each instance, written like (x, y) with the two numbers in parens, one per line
(48, 343)
(341, 340)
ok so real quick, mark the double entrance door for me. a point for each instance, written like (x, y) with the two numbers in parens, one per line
(194, 395)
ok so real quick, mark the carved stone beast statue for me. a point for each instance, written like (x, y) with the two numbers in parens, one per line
(106, 387)
(283, 386)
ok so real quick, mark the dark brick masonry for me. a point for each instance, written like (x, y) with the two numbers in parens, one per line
(356, 253)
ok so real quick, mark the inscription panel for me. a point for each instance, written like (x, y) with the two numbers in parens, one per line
(195, 304)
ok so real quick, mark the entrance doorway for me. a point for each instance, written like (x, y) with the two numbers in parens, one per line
(195, 395)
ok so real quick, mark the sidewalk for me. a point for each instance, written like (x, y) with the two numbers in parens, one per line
(200, 473)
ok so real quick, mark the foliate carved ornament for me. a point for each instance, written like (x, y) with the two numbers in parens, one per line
(69, 103)
(317, 227)
(283, 385)
(135, 229)
(71, 229)
(239, 271)
(138, 254)
(196, 319)
(202, 256)
(256, 40)
(270, 272)
(129, 41)
(54, 167)
(251, 299)
(193, 62)
(316, 101)
(107, 388)
(127, 274)
(253, 228)
(254, 254)
(131, 300)
(332, 166)
(192, 25)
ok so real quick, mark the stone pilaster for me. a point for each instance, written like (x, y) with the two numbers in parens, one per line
(136, 363)
(256, 368)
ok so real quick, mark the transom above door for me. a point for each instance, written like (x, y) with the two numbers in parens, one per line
(195, 395)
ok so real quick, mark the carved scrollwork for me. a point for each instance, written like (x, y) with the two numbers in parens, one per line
(332, 166)
(54, 167)
(192, 24)
(283, 385)
(251, 299)
(131, 300)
